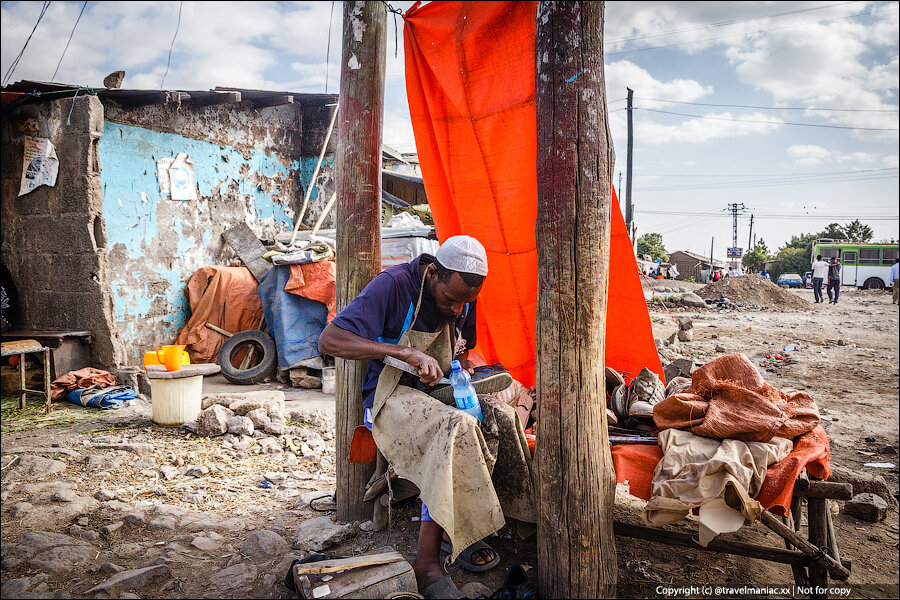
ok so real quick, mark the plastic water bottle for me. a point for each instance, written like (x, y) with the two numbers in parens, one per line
(463, 392)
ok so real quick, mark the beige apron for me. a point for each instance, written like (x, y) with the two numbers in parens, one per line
(443, 451)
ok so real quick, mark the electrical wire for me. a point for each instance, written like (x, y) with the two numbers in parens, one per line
(746, 33)
(83, 6)
(666, 112)
(172, 45)
(723, 23)
(875, 110)
(328, 49)
(15, 63)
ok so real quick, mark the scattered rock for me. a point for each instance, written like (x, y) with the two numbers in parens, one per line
(164, 523)
(684, 323)
(109, 568)
(242, 403)
(135, 519)
(213, 421)
(133, 448)
(269, 445)
(133, 579)
(367, 526)
(103, 495)
(316, 443)
(190, 426)
(30, 467)
(888, 449)
(196, 471)
(693, 300)
(319, 533)
(238, 577)
(206, 544)
(276, 477)
(259, 416)
(863, 482)
(685, 335)
(243, 443)
(112, 527)
(264, 545)
(85, 534)
(474, 589)
(305, 378)
(275, 428)
(867, 506)
(720, 348)
(168, 472)
(52, 552)
(8, 564)
(240, 426)
(871, 438)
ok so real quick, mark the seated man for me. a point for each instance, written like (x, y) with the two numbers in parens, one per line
(423, 313)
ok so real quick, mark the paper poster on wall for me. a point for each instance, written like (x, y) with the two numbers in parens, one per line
(162, 175)
(40, 166)
(182, 185)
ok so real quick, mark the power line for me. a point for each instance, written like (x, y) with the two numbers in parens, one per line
(666, 112)
(875, 110)
(723, 23)
(328, 49)
(172, 45)
(83, 6)
(874, 217)
(723, 37)
(15, 63)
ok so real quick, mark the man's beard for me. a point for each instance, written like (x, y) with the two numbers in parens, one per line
(444, 319)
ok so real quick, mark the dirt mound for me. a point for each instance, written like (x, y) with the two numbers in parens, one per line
(753, 289)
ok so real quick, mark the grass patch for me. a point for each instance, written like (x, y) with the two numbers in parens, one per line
(13, 419)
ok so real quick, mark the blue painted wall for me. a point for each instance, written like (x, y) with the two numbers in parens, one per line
(155, 244)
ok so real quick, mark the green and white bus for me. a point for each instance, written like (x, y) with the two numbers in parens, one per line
(864, 265)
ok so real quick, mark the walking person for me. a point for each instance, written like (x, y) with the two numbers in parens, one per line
(895, 281)
(834, 280)
(819, 273)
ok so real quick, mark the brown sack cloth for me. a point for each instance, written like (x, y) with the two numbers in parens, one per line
(728, 398)
(224, 296)
(82, 378)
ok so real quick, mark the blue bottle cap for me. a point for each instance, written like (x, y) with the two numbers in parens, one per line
(455, 366)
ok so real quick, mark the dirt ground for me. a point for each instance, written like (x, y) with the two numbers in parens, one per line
(846, 356)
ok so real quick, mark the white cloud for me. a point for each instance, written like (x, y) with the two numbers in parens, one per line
(800, 151)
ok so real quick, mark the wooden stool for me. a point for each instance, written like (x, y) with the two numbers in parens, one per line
(21, 348)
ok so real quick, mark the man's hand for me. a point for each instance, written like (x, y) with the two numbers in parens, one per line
(429, 369)
(467, 365)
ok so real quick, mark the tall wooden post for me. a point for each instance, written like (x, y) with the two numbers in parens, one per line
(358, 176)
(575, 479)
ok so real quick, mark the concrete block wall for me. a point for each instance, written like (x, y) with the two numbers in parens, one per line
(53, 237)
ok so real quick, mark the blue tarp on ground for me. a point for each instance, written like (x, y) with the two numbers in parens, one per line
(294, 322)
(112, 397)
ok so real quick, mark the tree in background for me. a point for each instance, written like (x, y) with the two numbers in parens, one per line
(855, 231)
(652, 245)
(833, 232)
(790, 260)
(756, 258)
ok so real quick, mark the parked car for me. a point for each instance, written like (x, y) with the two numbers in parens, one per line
(790, 280)
(807, 279)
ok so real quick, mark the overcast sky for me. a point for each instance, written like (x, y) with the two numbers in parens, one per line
(750, 81)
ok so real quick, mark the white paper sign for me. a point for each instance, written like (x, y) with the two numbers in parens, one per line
(182, 185)
(40, 165)
(162, 175)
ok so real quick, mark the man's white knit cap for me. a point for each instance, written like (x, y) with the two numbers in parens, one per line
(463, 254)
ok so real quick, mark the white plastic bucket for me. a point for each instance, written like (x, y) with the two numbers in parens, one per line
(176, 401)
(328, 380)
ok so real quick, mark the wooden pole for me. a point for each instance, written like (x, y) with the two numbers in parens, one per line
(575, 480)
(358, 244)
(629, 207)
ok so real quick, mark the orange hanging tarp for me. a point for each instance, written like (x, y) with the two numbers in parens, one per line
(470, 83)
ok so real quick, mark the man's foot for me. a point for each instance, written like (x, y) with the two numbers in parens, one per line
(476, 558)
(426, 575)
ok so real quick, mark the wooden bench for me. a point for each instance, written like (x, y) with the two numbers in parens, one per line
(20, 348)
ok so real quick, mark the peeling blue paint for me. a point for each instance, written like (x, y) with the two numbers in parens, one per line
(131, 211)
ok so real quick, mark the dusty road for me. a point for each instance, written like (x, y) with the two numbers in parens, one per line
(218, 533)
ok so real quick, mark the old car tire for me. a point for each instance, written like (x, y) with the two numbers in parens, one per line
(874, 283)
(257, 372)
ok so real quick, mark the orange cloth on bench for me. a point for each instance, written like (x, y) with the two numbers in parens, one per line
(635, 463)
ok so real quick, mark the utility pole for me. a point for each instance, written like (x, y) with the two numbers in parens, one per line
(619, 190)
(358, 256)
(629, 208)
(736, 209)
(750, 237)
(576, 555)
